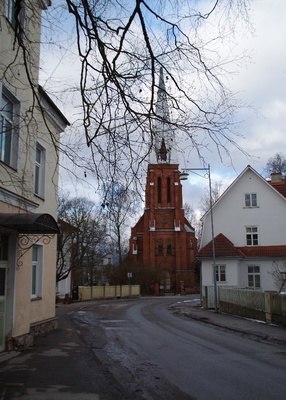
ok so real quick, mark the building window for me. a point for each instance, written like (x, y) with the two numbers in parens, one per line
(159, 190)
(4, 241)
(169, 249)
(39, 178)
(168, 190)
(220, 273)
(250, 200)
(36, 285)
(160, 248)
(8, 129)
(251, 236)
(10, 11)
(13, 8)
(254, 277)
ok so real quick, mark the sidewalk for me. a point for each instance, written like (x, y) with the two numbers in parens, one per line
(259, 330)
(59, 366)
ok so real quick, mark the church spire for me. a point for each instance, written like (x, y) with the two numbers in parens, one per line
(164, 136)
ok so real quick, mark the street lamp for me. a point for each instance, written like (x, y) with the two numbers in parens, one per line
(184, 176)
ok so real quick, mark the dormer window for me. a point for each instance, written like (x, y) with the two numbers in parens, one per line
(250, 200)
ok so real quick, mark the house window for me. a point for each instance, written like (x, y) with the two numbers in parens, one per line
(37, 261)
(254, 277)
(8, 128)
(39, 178)
(220, 273)
(250, 200)
(13, 8)
(251, 236)
(10, 11)
(4, 247)
(160, 248)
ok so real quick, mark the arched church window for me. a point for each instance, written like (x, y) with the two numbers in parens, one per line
(159, 190)
(168, 190)
(160, 247)
(169, 248)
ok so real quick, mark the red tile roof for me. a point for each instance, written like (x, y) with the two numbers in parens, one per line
(263, 251)
(279, 186)
(225, 248)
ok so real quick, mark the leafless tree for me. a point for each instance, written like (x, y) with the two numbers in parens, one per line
(120, 205)
(141, 275)
(194, 219)
(89, 241)
(276, 164)
(279, 275)
(217, 190)
(121, 47)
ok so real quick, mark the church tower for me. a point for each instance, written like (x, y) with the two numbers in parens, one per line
(163, 238)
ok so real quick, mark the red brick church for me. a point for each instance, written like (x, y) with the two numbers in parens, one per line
(163, 238)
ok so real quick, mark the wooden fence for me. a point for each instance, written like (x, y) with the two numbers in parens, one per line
(107, 292)
(264, 306)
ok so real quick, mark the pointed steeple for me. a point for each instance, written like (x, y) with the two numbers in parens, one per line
(163, 151)
(163, 131)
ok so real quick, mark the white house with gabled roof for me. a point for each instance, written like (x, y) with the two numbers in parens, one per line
(249, 223)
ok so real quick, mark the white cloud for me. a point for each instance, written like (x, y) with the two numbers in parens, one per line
(260, 82)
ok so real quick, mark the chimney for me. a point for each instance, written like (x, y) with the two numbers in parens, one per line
(276, 177)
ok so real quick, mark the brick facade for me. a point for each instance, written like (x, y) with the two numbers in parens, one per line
(163, 238)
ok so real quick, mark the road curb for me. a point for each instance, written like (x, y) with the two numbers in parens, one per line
(249, 332)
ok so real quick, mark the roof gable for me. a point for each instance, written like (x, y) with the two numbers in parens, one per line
(223, 248)
(278, 189)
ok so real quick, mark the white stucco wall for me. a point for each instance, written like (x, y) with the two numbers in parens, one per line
(237, 273)
(231, 272)
(231, 216)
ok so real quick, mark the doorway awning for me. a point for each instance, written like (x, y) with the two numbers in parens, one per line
(29, 223)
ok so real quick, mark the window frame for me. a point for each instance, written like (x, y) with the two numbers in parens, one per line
(40, 171)
(250, 200)
(169, 248)
(14, 122)
(168, 190)
(160, 247)
(251, 236)
(37, 272)
(219, 273)
(253, 274)
(10, 12)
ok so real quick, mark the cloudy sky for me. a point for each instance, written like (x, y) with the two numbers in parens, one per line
(259, 81)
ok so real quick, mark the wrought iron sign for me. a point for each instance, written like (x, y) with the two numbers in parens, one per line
(26, 242)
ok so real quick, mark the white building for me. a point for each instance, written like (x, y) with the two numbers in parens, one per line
(30, 125)
(249, 222)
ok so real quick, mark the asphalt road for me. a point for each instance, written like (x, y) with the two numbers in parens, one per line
(143, 350)
(157, 355)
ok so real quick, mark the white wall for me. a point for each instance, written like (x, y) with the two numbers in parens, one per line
(231, 272)
(231, 217)
(237, 273)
